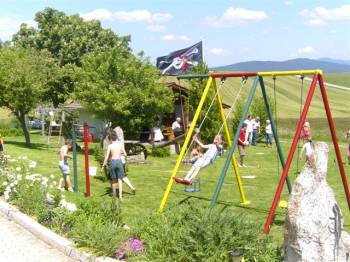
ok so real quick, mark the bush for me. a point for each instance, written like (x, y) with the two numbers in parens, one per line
(10, 131)
(191, 232)
(95, 225)
(98, 154)
(160, 151)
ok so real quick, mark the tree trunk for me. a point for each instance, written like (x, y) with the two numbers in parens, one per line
(21, 118)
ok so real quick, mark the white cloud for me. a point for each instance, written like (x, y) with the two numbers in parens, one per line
(128, 17)
(100, 14)
(170, 37)
(156, 28)
(235, 16)
(216, 51)
(316, 22)
(320, 15)
(9, 26)
(306, 50)
(289, 2)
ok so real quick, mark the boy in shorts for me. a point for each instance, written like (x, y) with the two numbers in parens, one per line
(114, 153)
(63, 165)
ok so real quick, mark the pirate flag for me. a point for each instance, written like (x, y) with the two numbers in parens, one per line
(180, 61)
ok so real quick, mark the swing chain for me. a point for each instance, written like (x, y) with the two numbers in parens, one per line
(222, 81)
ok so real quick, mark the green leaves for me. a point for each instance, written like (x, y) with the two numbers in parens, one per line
(121, 88)
(25, 75)
(191, 232)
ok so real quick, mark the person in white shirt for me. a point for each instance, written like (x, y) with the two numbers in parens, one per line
(177, 129)
(249, 131)
(256, 130)
(268, 133)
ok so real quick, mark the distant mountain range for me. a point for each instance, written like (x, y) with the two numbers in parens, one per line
(328, 65)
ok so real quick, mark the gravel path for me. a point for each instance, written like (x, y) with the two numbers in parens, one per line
(17, 245)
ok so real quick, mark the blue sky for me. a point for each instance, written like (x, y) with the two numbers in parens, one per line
(232, 31)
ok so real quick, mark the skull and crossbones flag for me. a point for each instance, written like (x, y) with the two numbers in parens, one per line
(180, 61)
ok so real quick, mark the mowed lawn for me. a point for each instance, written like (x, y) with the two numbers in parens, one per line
(260, 180)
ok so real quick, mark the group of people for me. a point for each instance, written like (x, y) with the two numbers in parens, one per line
(249, 136)
(114, 157)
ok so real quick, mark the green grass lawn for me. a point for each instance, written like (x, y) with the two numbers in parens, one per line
(151, 178)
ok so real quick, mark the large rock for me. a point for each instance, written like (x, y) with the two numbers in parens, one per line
(314, 223)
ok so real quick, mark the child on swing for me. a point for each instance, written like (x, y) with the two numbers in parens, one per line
(208, 157)
(196, 153)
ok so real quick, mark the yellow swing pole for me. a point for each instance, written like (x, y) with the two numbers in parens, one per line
(229, 142)
(187, 141)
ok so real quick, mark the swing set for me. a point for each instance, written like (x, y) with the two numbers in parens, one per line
(259, 80)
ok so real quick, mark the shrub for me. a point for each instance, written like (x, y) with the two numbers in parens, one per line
(10, 131)
(191, 232)
(160, 151)
(95, 225)
(98, 154)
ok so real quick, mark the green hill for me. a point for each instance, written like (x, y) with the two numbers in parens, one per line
(288, 92)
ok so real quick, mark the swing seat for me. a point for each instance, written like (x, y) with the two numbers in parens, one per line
(182, 181)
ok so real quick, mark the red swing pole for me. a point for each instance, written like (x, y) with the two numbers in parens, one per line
(334, 138)
(86, 146)
(290, 155)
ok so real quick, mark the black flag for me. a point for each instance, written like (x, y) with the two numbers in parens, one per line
(180, 61)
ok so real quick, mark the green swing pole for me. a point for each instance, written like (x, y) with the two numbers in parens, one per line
(75, 166)
(234, 142)
(274, 130)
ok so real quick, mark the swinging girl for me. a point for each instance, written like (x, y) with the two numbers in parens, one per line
(208, 157)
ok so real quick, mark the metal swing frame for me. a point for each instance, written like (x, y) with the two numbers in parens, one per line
(317, 78)
(211, 83)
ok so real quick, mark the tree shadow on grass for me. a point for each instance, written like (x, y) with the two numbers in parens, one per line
(38, 146)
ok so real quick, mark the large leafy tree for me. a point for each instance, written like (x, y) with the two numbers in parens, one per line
(122, 88)
(68, 38)
(212, 123)
(25, 75)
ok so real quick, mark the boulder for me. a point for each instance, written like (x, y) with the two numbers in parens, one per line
(314, 223)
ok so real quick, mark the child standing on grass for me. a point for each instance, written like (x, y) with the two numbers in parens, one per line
(63, 165)
(268, 133)
(242, 142)
(116, 168)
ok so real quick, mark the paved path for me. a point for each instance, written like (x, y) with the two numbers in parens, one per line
(19, 245)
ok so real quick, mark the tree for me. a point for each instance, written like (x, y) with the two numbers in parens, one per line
(68, 38)
(213, 121)
(24, 77)
(122, 88)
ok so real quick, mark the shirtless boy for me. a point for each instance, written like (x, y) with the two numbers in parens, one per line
(63, 165)
(114, 153)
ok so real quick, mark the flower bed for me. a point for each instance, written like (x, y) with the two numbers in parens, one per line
(189, 232)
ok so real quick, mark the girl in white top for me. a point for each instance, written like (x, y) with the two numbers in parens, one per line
(268, 133)
(208, 157)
